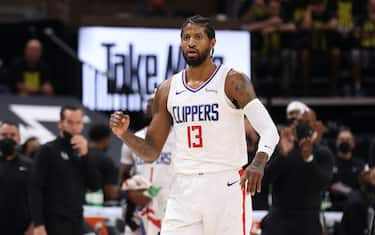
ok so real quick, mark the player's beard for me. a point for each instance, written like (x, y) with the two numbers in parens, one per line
(196, 61)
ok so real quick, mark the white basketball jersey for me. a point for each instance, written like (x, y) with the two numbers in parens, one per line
(209, 131)
(160, 173)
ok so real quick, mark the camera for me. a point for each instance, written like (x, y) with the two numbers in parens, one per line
(303, 130)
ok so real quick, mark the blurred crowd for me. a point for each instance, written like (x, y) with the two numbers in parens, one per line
(299, 48)
(326, 44)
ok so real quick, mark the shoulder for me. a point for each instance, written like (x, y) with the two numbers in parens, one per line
(235, 76)
(47, 148)
(24, 161)
(50, 145)
(95, 154)
(164, 87)
(161, 97)
(323, 150)
(358, 162)
(238, 88)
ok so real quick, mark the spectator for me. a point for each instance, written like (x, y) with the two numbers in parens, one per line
(30, 146)
(359, 213)
(15, 216)
(252, 10)
(63, 170)
(318, 23)
(346, 170)
(30, 75)
(348, 12)
(364, 33)
(273, 30)
(99, 135)
(298, 175)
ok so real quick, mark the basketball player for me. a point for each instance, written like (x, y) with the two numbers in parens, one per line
(159, 173)
(206, 104)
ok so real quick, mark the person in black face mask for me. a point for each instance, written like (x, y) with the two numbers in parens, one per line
(346, 170)
(15, 216)
(63, 169)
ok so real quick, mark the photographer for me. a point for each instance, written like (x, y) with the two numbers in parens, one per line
(63, 170)
(298, 174)
(14, 183)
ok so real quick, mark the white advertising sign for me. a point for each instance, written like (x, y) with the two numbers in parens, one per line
(136, 60)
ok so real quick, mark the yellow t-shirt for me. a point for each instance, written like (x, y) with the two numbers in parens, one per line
(32, 80)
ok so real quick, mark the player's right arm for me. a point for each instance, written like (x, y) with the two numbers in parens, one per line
(147, 149)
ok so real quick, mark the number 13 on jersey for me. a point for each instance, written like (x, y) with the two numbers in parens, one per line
(194, 135)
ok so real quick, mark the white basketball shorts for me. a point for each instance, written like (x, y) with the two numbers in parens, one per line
(207, 204)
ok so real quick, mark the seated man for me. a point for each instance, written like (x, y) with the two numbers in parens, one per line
(30, 75)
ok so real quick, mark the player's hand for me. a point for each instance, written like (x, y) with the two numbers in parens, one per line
(318, 131)
(306, 146)
(286, 141)
(80, 144)
(251, 179)
(40, 230)
(138, 197)
(119, 123)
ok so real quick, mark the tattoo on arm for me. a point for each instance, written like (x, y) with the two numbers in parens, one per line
(241, 89)
(259, 160)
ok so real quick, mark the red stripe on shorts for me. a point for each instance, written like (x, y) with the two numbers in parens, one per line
(243, 206)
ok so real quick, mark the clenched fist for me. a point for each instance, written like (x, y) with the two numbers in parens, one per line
(119, 123)
(80, 144)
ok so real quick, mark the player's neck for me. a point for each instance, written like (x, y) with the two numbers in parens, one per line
(200, 73)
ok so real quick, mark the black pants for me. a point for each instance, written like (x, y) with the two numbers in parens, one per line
(63, 226)
(291, 224)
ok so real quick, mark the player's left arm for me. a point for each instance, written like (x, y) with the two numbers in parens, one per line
(240, 91)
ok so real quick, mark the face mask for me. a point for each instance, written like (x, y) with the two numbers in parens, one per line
(345, 147)
(7, 147)
(66, 137)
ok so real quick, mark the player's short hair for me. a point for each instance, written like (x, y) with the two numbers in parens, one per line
(69, 107)
(202, 21)
(99, 131)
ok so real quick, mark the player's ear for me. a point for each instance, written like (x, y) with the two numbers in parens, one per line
(213, 42)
